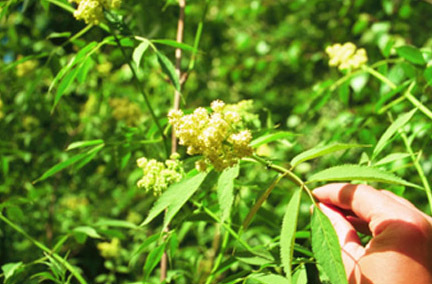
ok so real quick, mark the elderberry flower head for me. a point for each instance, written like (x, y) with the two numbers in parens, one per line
(346, 56)
(158, 176)
(91, 11)
(109, 249)
(215, 136)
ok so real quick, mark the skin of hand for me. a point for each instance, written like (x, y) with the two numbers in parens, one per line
(400, 251)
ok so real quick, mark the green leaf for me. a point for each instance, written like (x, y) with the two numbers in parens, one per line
(62, 165)
(175, 44)
(287, 237)
(153, 259)
(59, 35)
(428, 75)
(81, 144)
(411, 53)
(356, 172)
(300, 276)
(10, 268)
(225, 190)
(391, 158)
(115, 223)
(269, 278)
(393, 128)
(270, 138)
(175, 197)
(139, 52)
(321, 151)
(84, 68)
(325, 245)
(88, 231)
(168, 69)
(64, 85)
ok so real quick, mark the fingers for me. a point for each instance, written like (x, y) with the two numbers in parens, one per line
(352, 249)
(367, 203)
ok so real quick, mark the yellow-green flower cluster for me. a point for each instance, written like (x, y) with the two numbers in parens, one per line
(346, 56)
(215, 135)
(157, 176)
(25, 67)
(91, 11)
(109, 249)
(124, 109)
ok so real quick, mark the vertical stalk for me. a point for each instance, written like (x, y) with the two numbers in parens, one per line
(176, 105)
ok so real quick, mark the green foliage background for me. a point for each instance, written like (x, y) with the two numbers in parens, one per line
(269, 51)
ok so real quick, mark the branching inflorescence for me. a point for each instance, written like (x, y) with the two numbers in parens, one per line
(217, 136)
(91, 11)
(346, 56)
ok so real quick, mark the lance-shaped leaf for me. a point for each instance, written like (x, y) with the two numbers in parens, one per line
(393, 128)
(153, 259)
(175, 197)
(356, 172)
(321, 151)
(287, 237)
(267, 138)
(411, 53)
(225, 190)
(269, 278)
(139, 52)
(81, 144)
(325, 245)
(72, 160)
(175, 44)
(168, 69)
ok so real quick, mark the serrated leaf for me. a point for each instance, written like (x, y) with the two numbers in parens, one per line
(153, 259)
(175, 197)
(225, 190)
(287, 237)
(81, 144)
(325, 245)
(270, 278)
(393, 128)
(356, 172)
(391, 158)
(411, 53)
(175, 44)
(270, 138)
(321, 151)
(88, 231)
(10, 268)
(168, 69)
(139, 52)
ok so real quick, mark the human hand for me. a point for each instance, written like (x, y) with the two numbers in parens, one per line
(401, 247)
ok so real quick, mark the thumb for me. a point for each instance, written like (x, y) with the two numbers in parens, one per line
(349, 241)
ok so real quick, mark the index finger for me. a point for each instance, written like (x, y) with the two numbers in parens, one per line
(366, 202)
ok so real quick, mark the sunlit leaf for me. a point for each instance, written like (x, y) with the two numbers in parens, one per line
(356, 172)
(225, 190)
(289, 226)
(325, 245)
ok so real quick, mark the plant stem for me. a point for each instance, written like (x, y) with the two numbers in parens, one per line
(419, 168)
(45, 249)
(289, 174)
(143, 93)
(393, 86)
(219, 258)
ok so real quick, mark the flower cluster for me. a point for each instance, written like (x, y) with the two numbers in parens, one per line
(215, 135)
(111, 249)
(91, 11)
(124, 109)
(25, 67)
(346, 56)
(157, 176)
